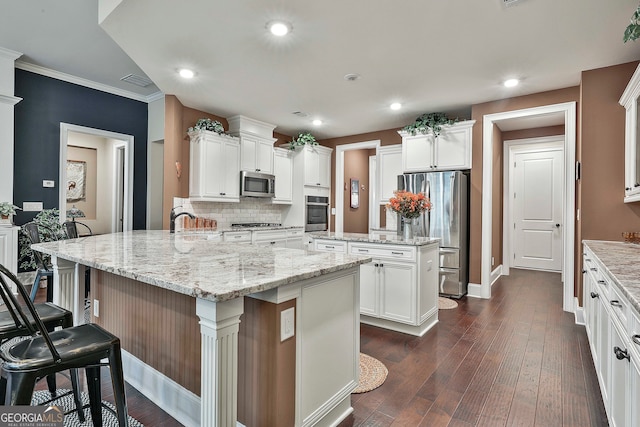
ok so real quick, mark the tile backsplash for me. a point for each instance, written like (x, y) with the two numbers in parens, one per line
(248, 210)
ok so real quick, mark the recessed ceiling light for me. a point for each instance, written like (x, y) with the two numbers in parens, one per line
(279, 28)
(395, 106)
(317, 122)
(186, 73)
(511, 82)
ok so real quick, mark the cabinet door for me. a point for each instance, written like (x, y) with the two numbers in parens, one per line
(248, 148)
(264, 156)
(369, 289)
(295, 243)
(229, 163)
(591, 312)
(283, 170)
(452, 149)
(604, 350)
(619, 380)
(390, 166)
(634, 392)
(311, 167)
(324, 169)
(417, 153)
(398, 292)
(212, 174)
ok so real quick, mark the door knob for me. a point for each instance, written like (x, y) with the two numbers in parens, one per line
(557, 225)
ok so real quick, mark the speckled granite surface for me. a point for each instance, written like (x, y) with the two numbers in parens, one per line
(377, 237)
(193, 265)
(622, 263)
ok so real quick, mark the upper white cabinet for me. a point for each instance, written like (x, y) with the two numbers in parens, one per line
(317, 166)
(283, 170)
(629, 101)
(389, 167)
(214, 167)
(450, 150)
(256, 142)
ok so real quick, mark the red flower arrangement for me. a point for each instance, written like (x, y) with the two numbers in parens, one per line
(408, 204)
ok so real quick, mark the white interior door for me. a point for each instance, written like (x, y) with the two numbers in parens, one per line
(537, 209)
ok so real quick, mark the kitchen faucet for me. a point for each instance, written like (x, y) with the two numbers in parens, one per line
(173, 216)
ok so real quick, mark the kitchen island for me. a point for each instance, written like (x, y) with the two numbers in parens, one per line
(399, 287)
(218, 332)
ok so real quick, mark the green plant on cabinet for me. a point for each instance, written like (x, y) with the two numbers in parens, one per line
(49, 228)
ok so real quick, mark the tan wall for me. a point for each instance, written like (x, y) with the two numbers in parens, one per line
(356, 166)
(477, 113)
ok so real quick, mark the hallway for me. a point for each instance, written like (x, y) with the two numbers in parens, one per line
(516, 359)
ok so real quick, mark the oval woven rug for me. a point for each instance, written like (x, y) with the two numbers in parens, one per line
(446, 303)
(372, 374)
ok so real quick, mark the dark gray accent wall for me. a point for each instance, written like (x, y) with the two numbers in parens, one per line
(46, 102)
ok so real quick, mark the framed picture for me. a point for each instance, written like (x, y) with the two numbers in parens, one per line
(76, 180)
(355, 193)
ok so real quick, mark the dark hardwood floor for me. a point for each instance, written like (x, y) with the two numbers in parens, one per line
(516, 359)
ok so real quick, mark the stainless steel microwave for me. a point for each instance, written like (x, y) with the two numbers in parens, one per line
(255, 184)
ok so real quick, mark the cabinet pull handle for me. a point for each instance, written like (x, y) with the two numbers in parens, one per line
(376, 265)
(257, 170)
(273, 243)
(363, 250)
(381, 265)
(330, 247)
(594, 295)
(593, 269)
(628, 188)
(588, 259)
(621, 354)
(397, 253)
(584, 271)
(602, 282)
(636, 339)
(615, 303)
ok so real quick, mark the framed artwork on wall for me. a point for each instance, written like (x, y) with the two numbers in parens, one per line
(355, 193)
(76, 180)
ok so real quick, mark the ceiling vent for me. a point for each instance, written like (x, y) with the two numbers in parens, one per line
(508, 3)
(300, 114)
(137, 80)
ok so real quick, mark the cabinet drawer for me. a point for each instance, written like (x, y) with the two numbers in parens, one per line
(237, 236)
(634, 332)
(404, 253)
(619, 305)
(330, 246)
(295, 233)
(269, 235)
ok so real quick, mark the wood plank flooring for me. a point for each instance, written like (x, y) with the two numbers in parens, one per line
(514, 360)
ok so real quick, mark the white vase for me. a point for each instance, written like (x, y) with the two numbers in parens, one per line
(6, 221)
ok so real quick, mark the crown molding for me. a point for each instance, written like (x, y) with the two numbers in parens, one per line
(87, 83)
(10, 54)
(9, 100)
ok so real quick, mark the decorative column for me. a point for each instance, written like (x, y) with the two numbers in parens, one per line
(219, 325)
(66, 287)
(7, 102)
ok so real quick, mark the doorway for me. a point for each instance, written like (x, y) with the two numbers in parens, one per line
(567, 112)
(111, 209)
(533, 204)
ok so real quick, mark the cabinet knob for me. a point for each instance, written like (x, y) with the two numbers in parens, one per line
(593, 269)
(584, 271)
(621, 354)
(628, 188)
(318, 184)
(257, 170)
(594, 295)
(636, 339)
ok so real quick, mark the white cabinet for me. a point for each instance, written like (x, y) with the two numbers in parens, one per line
(237, 236)
(389, 167)
(279, 238)
(9, 247)
(283, 170)
(450, 150)
(629, 101)
(398, 288)
(256, 153)
(317, 166)
(214, 167)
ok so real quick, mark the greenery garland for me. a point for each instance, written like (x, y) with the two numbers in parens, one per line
(208, 124)
(304, 138)
(429, 122)
(632, 32)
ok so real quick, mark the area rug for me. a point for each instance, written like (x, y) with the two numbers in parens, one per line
(372, 374)
(446, 303)
(66, 403)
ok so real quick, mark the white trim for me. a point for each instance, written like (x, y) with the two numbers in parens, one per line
(511, 147)
(128, 141)
(86, 83)
(374, 209)
(9, 54)
(175, 400)
(339, 187)
(569, 110)
(474, 290)
(9, 100)
(579, 312)
(496, 273)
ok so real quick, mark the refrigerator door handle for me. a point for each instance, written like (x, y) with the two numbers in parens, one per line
(453, 178)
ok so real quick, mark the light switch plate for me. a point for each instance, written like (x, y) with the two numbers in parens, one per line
(287, 323)
(96, 308)
(32, 206)
(48, 183)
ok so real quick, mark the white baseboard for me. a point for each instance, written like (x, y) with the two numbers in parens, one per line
(578, 312)
(474, 290)
(495, 274)
(174, 399)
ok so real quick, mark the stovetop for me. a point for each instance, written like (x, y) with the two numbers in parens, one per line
(256, 224)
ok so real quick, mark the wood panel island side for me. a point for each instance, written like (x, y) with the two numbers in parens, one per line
(200, 324)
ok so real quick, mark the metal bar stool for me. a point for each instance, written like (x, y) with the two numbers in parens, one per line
(44, 270)
(44, 353)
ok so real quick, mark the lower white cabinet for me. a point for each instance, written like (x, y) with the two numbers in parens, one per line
(398, 288)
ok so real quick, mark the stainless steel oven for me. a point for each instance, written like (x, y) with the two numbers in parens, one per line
(316, 213)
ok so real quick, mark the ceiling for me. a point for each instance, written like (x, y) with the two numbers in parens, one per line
(428, 55)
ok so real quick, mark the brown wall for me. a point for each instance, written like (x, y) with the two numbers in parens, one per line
(90, 157)
(356, 166)
(477, 113)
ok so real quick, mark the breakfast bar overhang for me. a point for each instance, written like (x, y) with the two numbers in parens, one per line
(166, 294)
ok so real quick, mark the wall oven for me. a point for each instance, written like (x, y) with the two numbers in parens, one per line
(254, 184)
(316, 213)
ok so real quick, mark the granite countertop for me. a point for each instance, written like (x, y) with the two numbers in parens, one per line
(389, 237)
(622, 263)
(191, 264)
(270, 227)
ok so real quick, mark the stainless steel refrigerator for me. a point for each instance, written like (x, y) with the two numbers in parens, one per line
(448, 220)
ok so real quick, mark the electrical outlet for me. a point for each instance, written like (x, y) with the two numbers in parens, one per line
(287, 323)
(48, 183)
(96, 308)
(493, 261)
